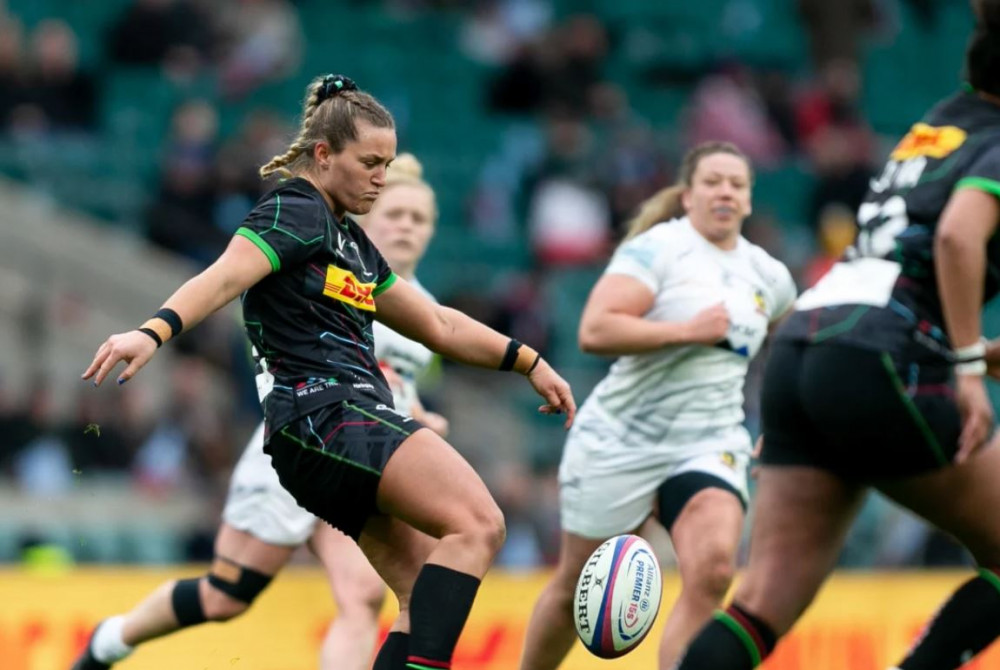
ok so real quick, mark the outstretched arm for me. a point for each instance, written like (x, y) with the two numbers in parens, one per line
(461, 338)
(239, 267)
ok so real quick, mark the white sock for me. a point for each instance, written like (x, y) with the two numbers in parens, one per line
(107, 645)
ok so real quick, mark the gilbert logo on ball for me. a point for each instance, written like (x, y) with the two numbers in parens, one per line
(617, 596)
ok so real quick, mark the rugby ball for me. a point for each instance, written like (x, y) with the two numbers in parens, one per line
(617, 596)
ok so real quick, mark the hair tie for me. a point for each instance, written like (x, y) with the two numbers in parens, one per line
(334, 84)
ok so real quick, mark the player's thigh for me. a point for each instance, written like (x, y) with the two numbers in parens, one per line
(244, 549)
(801, 516)
(428, 484)
(960, 499)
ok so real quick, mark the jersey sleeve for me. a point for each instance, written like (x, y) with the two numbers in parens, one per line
(983, 173)
(634, 258)
(287, 227)
(785, 292)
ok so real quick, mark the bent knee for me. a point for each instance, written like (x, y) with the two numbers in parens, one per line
(362, 596)
(485, 529)
(713, 575)
(219, 606)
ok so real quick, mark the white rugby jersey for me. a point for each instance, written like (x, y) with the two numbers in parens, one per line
(407, 358)
(688, 394)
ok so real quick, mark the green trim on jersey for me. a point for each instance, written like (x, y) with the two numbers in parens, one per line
(991, 577)
(381, 288)
(981, 183)
(914, 411)
(262, 245)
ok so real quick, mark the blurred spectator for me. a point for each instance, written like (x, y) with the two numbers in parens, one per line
(42, 466)
(106, 430)
(57, 94)
(495, 30)
(569, 217)
(553, 72)
(12, 68)
(151, 32)
(777, 95)
(726, 107)
(519, 88)
(834, 233)
(261, 136)
(836, 29)
(841, 157)
(832, 100)
(263, 42)
(180, 218)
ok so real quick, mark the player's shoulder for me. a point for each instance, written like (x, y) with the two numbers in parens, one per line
(664, 237)
(293, 198)
(767, 266)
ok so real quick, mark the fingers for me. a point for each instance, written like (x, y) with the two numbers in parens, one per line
(95, 364)
(560, 400)
(110, 361)
(975, 432)
(130, 371)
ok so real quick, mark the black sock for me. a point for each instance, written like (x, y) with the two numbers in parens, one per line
(392, 654)
(439, 606)
(965, 625)
(732, 640)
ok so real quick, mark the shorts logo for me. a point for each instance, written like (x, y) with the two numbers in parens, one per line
(931, 141)
(728, 459)
(342, 285)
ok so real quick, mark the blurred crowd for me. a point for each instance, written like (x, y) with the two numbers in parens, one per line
(575, 158)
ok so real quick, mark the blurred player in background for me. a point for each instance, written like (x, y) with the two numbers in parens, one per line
(685, 303)
(877, 379)
(262, 524)
(311, 283)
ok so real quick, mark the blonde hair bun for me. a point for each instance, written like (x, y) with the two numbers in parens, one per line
(405, 166)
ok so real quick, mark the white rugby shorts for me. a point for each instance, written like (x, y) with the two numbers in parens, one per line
(608, 485)
(257, 503)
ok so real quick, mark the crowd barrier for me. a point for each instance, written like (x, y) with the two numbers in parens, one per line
(859, 621)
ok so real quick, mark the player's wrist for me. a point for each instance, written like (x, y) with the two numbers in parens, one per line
(519, 358)
(166, 324)
(970, 360)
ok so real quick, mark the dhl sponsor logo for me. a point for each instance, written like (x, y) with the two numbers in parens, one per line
(931, 141)
(344, 286)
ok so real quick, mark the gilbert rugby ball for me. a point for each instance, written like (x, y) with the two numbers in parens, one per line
(617, 596)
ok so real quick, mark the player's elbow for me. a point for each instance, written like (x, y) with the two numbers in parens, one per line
(591, 338)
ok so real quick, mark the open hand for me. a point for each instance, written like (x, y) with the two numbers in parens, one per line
(555, 390)
(134, 348)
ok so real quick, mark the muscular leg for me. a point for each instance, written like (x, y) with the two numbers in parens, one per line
(706, 537)
(359, 593)
(157, 614)
(963, 501)
(802, 516)
(551, 633)
(429, 486)
(398, 552)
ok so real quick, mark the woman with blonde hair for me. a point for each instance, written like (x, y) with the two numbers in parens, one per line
(684, 304)
(312, 283)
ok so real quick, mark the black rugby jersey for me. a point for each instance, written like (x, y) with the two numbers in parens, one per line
(883, 294)
(310, 320)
